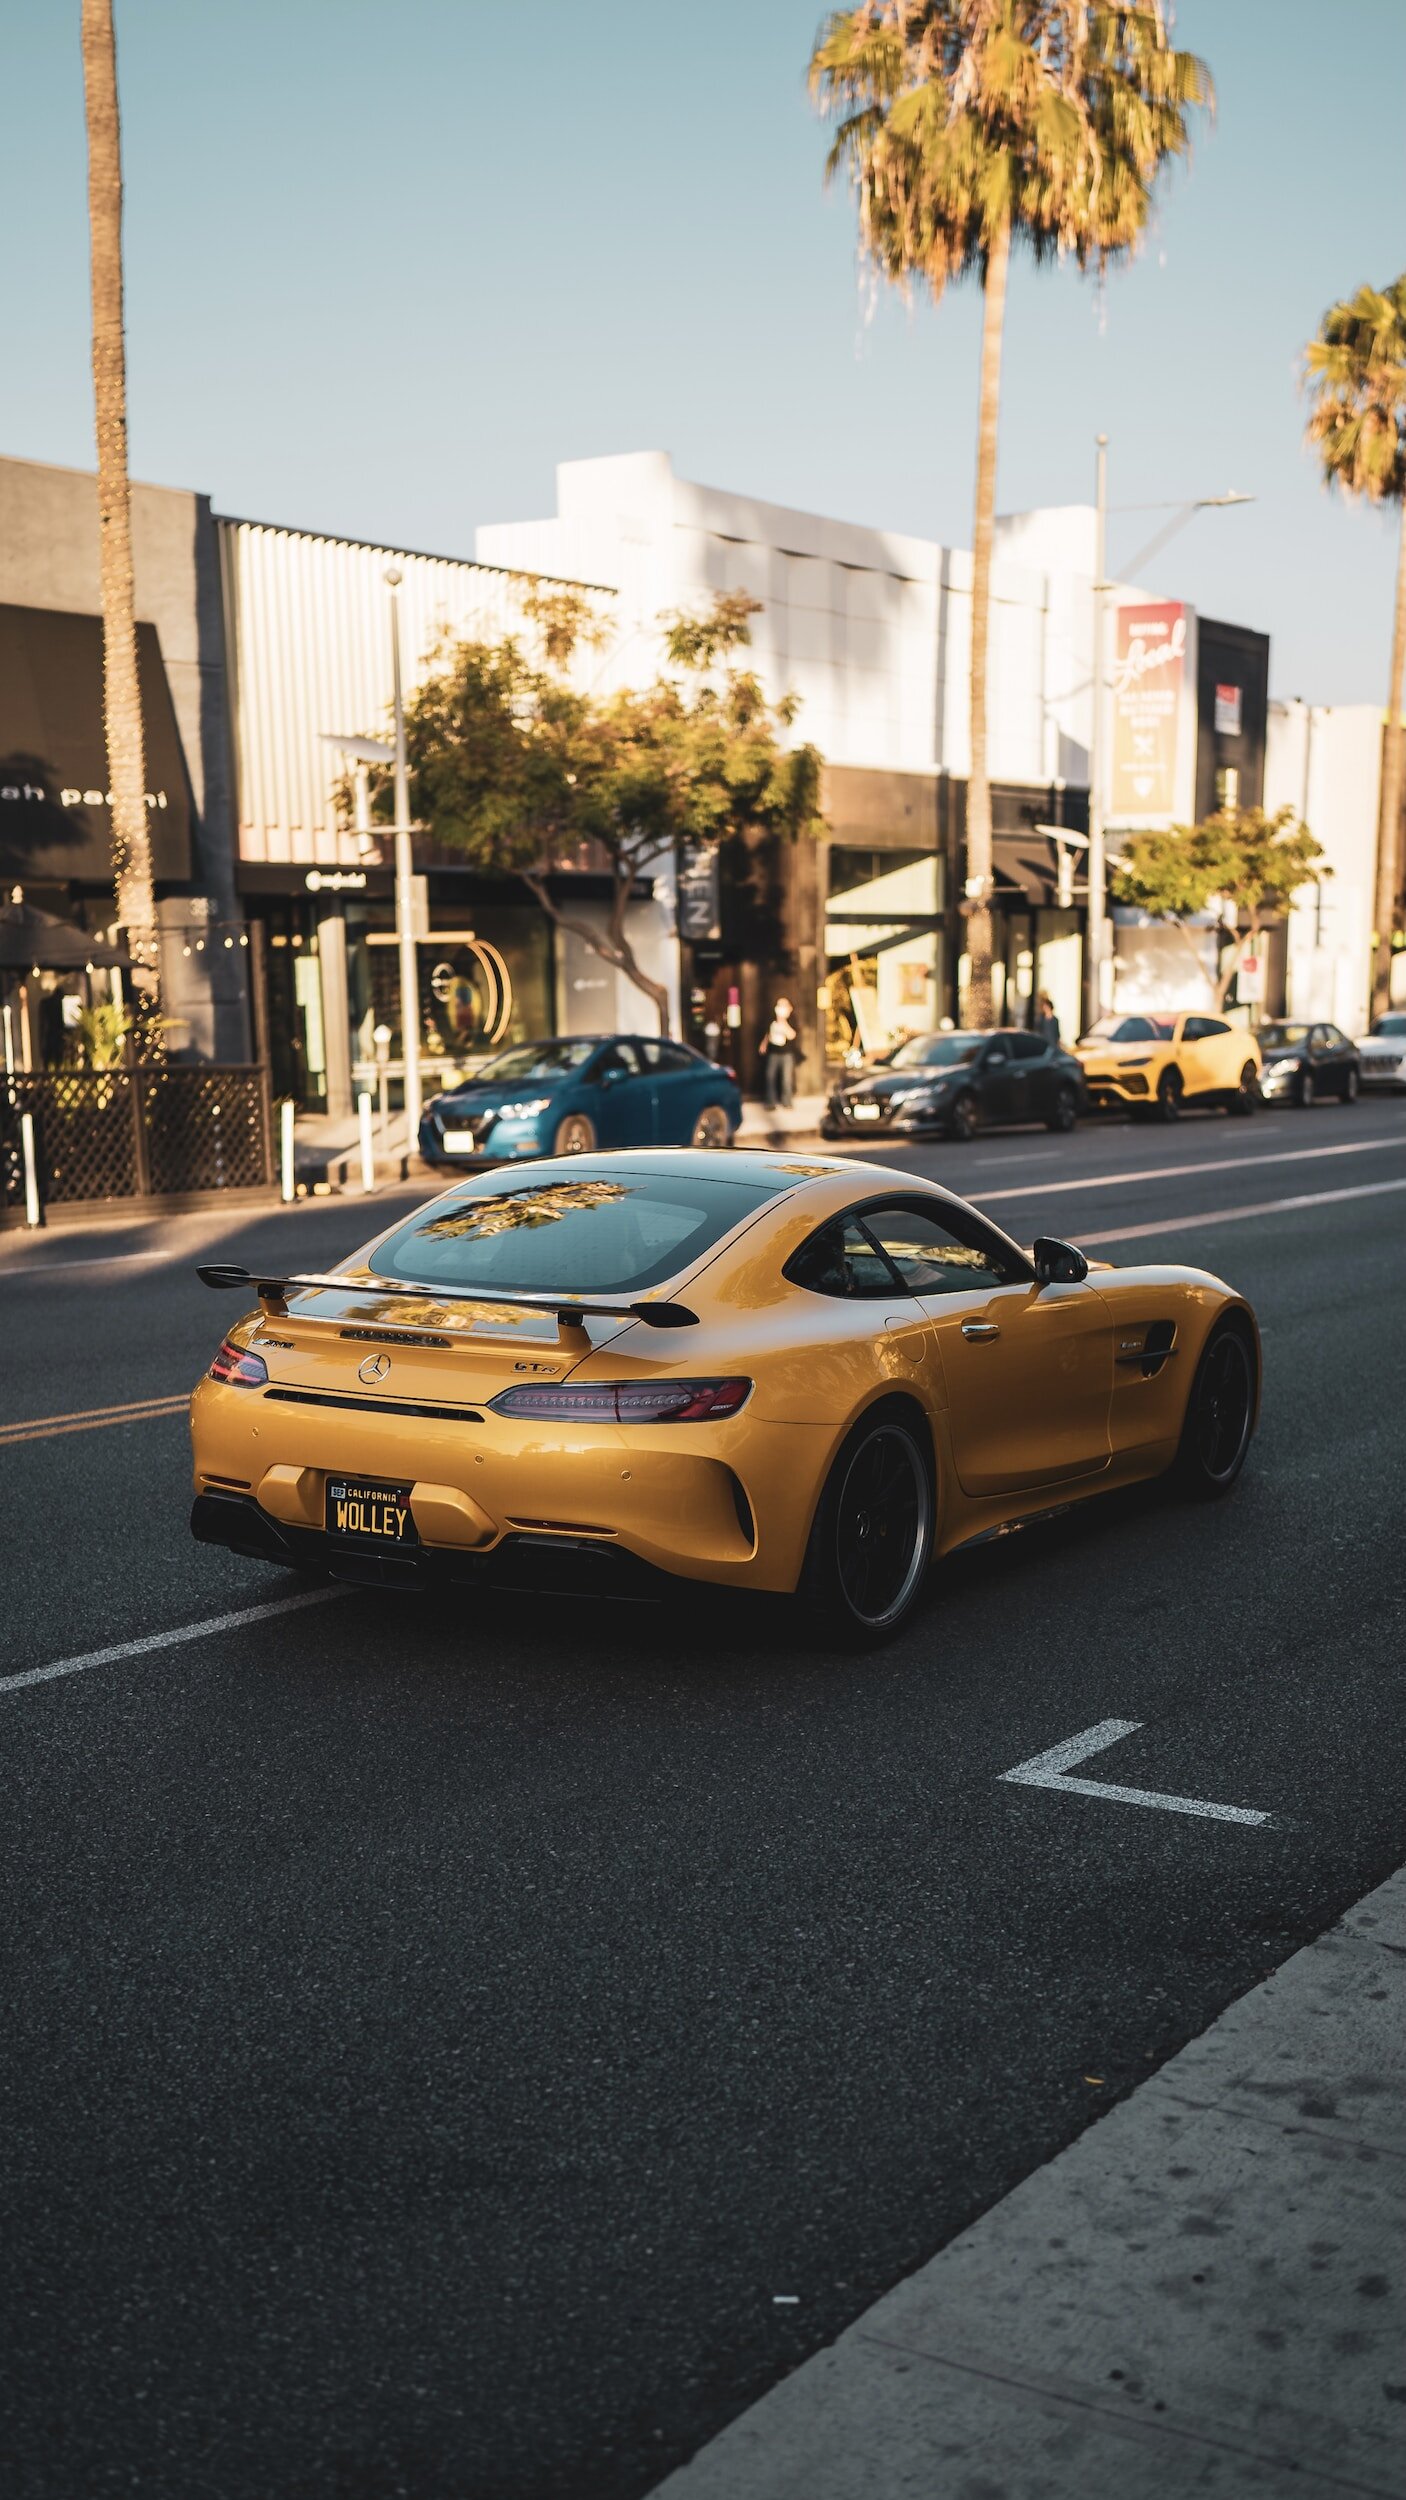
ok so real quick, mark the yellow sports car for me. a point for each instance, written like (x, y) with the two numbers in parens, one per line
(1157, 1065)
(794, 1375)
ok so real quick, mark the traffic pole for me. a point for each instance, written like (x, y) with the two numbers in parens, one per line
(368, 1153)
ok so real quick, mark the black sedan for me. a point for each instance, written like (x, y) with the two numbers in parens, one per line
(1303, 1062)
(952, 1084)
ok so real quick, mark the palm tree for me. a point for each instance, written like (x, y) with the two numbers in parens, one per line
(1357, 376)
(122, 711)
(968, 126)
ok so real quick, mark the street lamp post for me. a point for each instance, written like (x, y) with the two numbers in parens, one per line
(404, 887)
(1096, 947)
(1098, 874)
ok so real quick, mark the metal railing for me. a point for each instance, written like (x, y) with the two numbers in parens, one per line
(95, 1136)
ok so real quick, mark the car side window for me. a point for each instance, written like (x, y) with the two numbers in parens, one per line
(1027, 1046)
(1200, 1028)
(1335, 1039)
(618, 1055)
(843, 1261)
(1321, 1037)
(931, 1256)
(668, 1057)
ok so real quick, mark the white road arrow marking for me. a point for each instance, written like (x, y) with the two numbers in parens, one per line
(1051, 1770)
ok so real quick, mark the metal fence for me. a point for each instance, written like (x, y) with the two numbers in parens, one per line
(107, 1134)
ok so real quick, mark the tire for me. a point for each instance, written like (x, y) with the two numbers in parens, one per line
(1307, 1090)
(964, 1119)
(576, 1135)
(1220, 1415)
(1351, 1084)
(872, 1538)
(1066, 1111)
(712, 1127)
(1247, 1097)
(1169, 1094)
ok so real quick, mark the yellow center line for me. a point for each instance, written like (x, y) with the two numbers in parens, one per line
(91, 1419)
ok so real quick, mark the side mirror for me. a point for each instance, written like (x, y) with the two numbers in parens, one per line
(614, 1075)
(1059, 1263)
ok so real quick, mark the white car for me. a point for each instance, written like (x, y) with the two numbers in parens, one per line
(1382, 1052)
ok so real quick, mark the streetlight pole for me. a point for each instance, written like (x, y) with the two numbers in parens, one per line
(1096, 949)
(1098, 878)
(404, 888)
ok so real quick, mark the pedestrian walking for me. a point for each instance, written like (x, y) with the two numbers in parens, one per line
(1046, 1021)
(779, 1046)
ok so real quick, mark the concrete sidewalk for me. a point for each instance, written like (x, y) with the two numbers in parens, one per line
(1202, 2295)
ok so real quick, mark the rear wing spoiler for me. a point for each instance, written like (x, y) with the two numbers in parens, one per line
(568, 1310)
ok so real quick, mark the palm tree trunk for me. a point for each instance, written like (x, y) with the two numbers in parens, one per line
(979, 880)
(122, 713)
(1389, 826)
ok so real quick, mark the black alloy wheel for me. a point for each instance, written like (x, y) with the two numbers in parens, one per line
(1351, 1082)
(873, 1533)
(1308, 1091)
(964, 1118)
(1065, 1112)
(1247, 1097)
(1169, 1093)
(1220, 1415)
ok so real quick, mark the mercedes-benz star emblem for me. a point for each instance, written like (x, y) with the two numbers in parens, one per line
(373, 1369)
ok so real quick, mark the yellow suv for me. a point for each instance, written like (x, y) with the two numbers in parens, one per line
(1156, 1066)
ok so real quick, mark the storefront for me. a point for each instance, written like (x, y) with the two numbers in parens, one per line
(328, 969)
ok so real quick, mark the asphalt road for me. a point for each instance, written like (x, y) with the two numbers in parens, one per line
(471, 2050)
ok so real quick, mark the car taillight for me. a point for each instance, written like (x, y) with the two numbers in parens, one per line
(238, 1367)
(628, 1401)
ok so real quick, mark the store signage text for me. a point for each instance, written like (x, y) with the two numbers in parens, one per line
(1148, 668)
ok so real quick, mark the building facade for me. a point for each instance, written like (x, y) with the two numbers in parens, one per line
(308, 629)
(871, 630)
(55, 824)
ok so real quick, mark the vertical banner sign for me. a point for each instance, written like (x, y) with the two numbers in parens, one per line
(699, 899)
(1148, 666)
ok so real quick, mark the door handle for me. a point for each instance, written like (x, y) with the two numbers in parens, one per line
(979, 1330)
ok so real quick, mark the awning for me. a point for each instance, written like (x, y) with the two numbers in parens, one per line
(29, 938)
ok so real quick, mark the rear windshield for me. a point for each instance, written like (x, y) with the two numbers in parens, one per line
(598, 1231)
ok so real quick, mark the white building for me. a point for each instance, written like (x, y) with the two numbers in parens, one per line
(1325, 761)
(872, 630)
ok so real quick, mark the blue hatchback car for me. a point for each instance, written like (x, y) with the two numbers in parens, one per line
(577, 1093)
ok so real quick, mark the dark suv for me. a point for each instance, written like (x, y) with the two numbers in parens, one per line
(952, 1084)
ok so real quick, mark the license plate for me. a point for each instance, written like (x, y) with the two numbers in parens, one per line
(865, 1110)
(460, 1141)
(373, 1514)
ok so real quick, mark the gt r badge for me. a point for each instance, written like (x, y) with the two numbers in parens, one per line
(373, 1369)
(551, 1369)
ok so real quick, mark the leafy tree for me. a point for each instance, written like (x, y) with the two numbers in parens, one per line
(122, 710)
(969, 126)
(1356, 372)
(1244, 864)
(516, 766)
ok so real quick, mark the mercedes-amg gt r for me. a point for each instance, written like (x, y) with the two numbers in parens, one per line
(789, 1374)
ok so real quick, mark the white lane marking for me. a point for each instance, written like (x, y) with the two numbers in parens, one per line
(1174, 1171)
(168, 1640)
(1050, 1770)
(1237, 1215)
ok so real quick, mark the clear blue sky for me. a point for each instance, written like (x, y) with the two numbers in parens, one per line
(387, 264)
